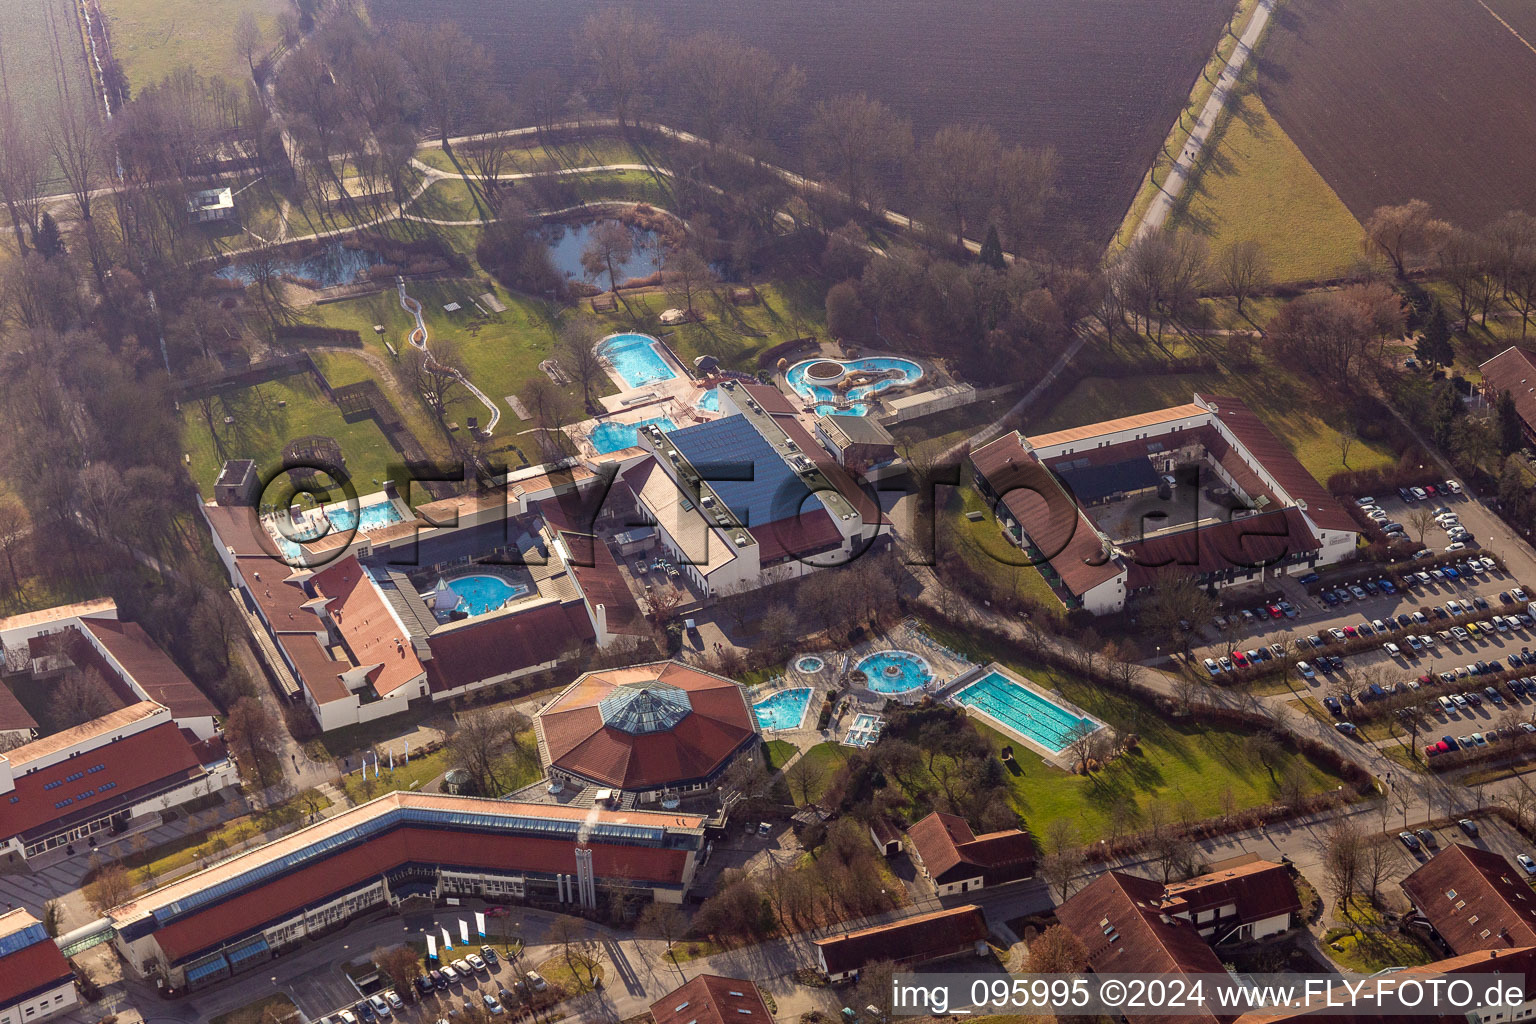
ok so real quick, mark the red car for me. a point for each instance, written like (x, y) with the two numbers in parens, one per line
(1437, 748)
(1239, 658)
(497, 912)
(1349, 631)
(1275, 612)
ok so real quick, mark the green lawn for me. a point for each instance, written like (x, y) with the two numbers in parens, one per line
(987, 551)
(594, 152)
(151, 38)
(779, 753)
(214, 843)
(516, 768)
(1293, 408)
(1178, 135)
(1255, 184)
(1370, 944)
(830, 755)
(269, 415)
(1185, 766)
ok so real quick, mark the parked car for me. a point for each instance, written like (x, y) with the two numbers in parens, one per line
(495, 1008)
(1212, 667)
(1409, 840)
(1468, 826)
(536, 980)
(1302, 667)
(1427, 838)
(475, 961)
(1347, 728)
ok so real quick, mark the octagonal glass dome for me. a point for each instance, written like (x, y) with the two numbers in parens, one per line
(652, 707)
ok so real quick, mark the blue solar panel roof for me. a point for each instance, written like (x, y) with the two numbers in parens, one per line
(743, 469)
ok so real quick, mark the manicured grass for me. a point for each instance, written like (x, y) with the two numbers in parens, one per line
(989, 553)
(1178, 135)
(788, 309)
(1293, 408)
(830, 755)
(1254, 184)
(593, 152)
(1370, 944)
(257, 1012)
(151, 38)
(779, 753)
(560, 976)
(516, 768)
(1185, 766)
(267, 416)
(682, 952)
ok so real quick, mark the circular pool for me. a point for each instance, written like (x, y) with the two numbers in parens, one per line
(895, 671)
(809, 664)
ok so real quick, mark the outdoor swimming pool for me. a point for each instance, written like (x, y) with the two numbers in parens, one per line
(479, 594)
(810, 663)
(609, 436)
(635, 358)
(895, 671)
(710, 400)
(783, 710)
(909, 372)
(1026, 712)
(365, 519)
(864, 730)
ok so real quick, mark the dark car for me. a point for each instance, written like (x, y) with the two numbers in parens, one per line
(423, 985)
(438, 981)
(1404, 620)
(1333, 705)
(489, 953)
(1468, 826)
(1428, 838)
(1473, 699)
(365, 1012)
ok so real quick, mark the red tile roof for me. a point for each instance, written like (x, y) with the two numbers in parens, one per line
(711, 999)
(911, 940)
(1490, 896)
(32, 970)
(952, 852)
(154, 755)
(369, 629)
(320, 672)
(282, 602)
(1049, 518)
(720, 722)
(1239, 544)
(1120, 920)
(13, 716)
(1260, 889)
(1281, 463)
(813, 532)
(1514, 370)
(240, 530)
(505, 644)
(597, 576)
(280, 896)
(149, 666)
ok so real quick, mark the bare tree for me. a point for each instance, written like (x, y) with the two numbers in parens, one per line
(685, 272)
(1244, 270)
(1062, 866)
(248, 39)
(805, 778)
(82, 695)
(74, 139)
(450, 71)
(856, 139)
(622, 47)
(110, 888)
(609, 249)
(255, 735)
(579, 356)
(1342, 854)
(23, 171)
(1404, 233)
(479, 743)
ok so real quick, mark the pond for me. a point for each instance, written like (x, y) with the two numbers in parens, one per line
(336, 264)
(566, 241)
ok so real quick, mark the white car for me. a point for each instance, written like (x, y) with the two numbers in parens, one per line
(536, 981)
(1367, 500)
(1392, 649)
(475, 961)
(1211, 667)
(393, 998)
(1458, 546)
(379, 1006)
(1527, 863)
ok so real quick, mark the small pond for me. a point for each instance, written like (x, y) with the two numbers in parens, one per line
(336, 264)
(566, 241)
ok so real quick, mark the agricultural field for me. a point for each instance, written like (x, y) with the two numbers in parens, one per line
(42, 56)
(1100, 81)
(1254, 184)
(1399, 99)
(151, 38)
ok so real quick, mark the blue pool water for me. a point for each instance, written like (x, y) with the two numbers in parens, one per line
(1024, 711)
(481, 594)
(810, 663)
(895, 671)
(910, 372)
(365, 519)
(864, 730)
(710, 400)
(783, 710)
(635, 358)
(609, 436)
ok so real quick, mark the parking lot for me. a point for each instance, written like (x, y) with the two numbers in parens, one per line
(327, 996)
(1492, 834)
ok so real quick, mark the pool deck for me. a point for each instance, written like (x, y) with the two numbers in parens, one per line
(1056, 759)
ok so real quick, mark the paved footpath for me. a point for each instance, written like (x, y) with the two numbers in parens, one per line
(1189, 157)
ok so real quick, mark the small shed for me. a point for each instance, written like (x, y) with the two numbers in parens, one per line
(211, 204)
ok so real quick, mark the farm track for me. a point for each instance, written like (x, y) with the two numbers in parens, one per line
(1399, 99)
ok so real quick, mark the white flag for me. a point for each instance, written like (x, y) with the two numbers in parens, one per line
(407, 751)
(431, 947)
(464, 930)
(391, 759)
(447, 943)
(480, 923)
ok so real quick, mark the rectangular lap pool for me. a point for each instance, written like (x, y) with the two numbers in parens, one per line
(1026, 712)
(783, 710)
(635, 359)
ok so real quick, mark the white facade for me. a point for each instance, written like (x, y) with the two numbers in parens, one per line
(1050, 450)
(60, 999)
